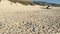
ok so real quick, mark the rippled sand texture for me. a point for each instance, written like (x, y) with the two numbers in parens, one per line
(20, 19)
(30, 23)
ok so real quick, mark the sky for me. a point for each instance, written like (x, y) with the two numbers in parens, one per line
(50, 1)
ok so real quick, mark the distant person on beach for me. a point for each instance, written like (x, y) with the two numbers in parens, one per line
(48, 7)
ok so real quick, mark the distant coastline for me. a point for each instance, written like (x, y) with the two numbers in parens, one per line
(35, 3)
(47, 3)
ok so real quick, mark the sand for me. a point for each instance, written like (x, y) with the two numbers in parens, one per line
(23, 19)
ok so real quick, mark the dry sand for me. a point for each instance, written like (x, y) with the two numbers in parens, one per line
(21, 19)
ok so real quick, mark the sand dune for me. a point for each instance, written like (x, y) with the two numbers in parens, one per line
(4, 5)
(22, 19)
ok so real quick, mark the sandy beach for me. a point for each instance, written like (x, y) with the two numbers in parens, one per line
(27, 19)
